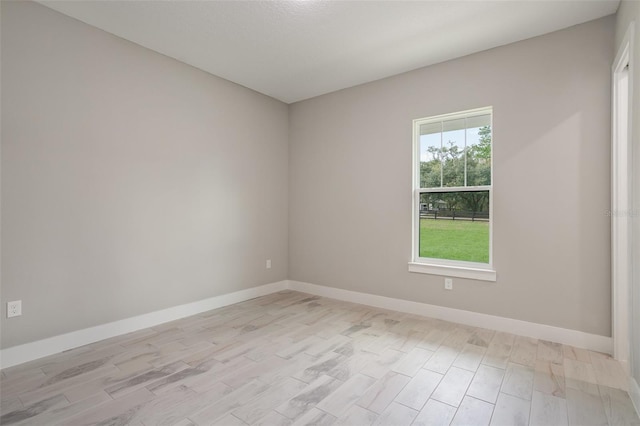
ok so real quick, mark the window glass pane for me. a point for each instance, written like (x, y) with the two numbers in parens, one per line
(428, 129)
(479, 154)
(479, 121)
(430, 155)
(454, 226)
(453, 143)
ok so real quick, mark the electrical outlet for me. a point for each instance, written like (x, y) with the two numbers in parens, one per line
(448, 283)
(14, 309)
(268, 263)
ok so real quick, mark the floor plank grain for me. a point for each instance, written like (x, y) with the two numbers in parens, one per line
(290, 358)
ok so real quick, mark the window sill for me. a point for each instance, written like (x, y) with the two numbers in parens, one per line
(474, 273)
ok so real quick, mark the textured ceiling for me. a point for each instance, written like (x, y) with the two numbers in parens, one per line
(294, 50)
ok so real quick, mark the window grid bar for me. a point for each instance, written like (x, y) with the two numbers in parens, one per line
(455, 189)
(466, 129)
(440, 154)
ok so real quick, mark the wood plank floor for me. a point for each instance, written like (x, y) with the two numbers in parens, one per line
(291, 358)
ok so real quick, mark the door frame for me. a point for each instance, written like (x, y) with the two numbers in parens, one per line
(621, 178)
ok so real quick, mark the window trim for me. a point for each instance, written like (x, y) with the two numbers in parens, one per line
(446, 267)
(458, 271)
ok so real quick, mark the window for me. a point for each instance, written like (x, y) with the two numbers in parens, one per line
(452, 187)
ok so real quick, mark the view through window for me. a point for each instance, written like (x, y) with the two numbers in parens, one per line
(453, 187)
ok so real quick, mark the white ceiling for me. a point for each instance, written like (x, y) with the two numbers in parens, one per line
(294, 50)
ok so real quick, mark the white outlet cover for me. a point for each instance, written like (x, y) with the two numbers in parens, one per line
(268, 263)
(14, 309)
(448, 283)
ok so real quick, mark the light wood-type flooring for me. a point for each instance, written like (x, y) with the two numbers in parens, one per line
(291, 358)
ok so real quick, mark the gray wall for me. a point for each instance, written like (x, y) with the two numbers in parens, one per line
(630, 11)
(130, 182)
(350, 180)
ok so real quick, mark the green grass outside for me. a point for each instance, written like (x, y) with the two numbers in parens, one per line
(454, 240)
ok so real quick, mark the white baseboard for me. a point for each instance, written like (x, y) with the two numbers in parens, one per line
(53, 345)
(539, 331)
(30, 351)
(634, 393)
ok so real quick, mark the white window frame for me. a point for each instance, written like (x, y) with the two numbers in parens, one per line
(445, 267)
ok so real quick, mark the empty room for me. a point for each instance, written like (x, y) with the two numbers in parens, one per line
(314, 212)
